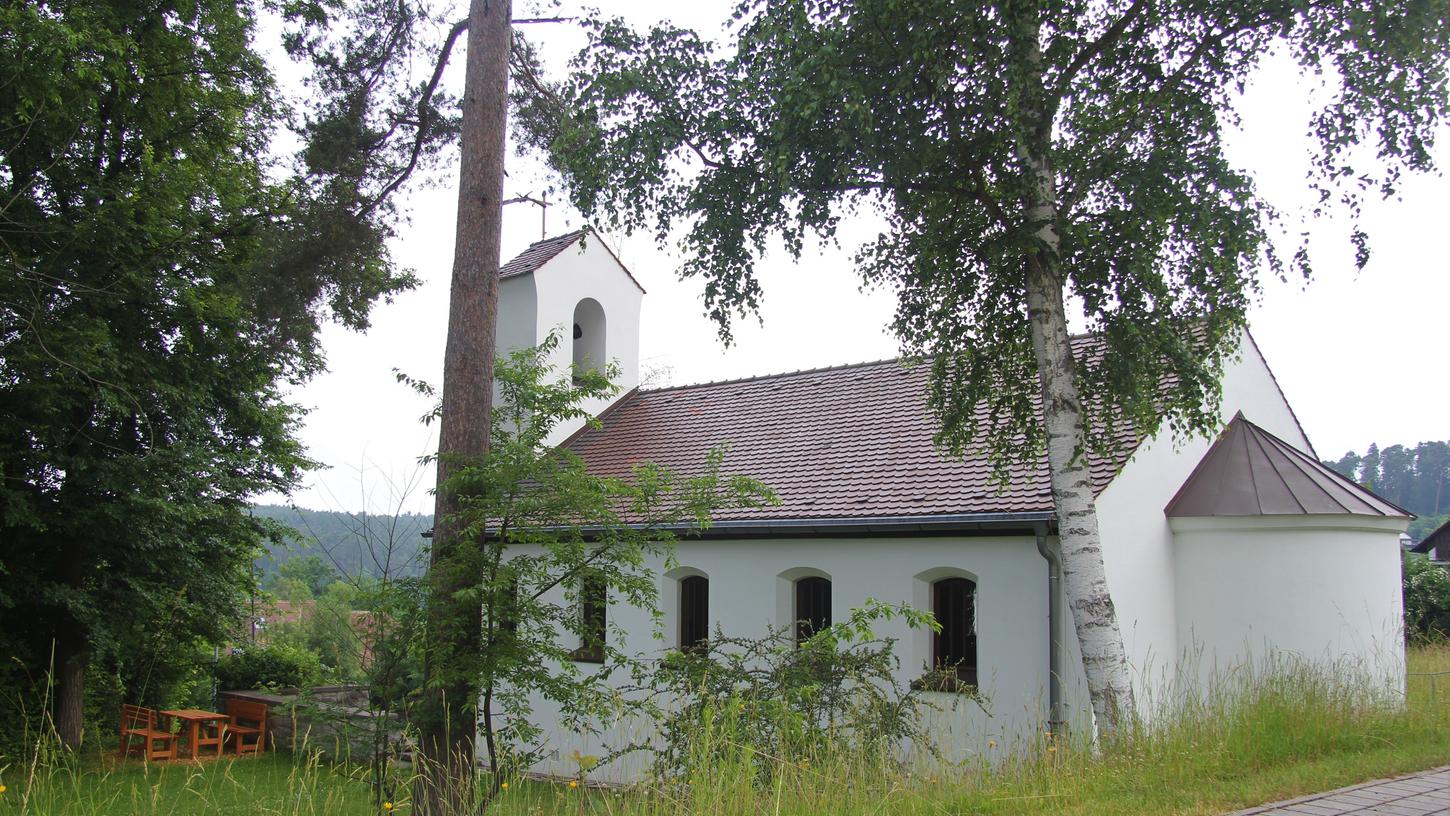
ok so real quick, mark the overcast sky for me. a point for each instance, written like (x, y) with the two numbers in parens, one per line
(1361, 355)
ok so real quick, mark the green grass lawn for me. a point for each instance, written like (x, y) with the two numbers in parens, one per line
(1293, 737)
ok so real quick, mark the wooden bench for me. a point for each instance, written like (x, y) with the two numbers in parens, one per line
(156, 743)
(247, 719)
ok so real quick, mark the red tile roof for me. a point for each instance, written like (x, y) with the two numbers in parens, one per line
(538, 254)
(847, 442)
(541, 252)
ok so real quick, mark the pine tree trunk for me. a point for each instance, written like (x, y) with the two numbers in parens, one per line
(1084, 577)
(447, 716)
(71, 656)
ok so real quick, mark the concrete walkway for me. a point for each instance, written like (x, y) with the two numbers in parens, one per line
(1422, 794)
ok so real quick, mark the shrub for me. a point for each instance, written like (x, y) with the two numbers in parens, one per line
(763, 701)
(1427, 600)
(275, 666)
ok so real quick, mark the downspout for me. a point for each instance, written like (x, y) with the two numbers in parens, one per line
(1056, 722)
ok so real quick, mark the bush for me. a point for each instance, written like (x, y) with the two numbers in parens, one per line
(276, 666)
(1427, 600)
(758, 702)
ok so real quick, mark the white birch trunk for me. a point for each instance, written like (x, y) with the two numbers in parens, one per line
(1105, 661)
(1084, 577)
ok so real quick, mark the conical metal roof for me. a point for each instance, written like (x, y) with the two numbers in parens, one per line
(1251, 472)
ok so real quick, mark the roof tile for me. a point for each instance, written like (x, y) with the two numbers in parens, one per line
(853, 441)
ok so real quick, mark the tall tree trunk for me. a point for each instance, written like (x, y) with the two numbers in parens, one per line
(71, 656)
(447, 719)
(1105, 661)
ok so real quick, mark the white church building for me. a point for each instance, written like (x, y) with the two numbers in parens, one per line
(1218, 551)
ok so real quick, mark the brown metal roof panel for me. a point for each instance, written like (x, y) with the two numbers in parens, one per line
(1250, 472)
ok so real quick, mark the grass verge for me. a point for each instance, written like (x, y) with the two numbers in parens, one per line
(1282, 735)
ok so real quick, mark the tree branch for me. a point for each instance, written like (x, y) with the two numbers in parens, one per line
(534, 20)
(1097, 47)
(424, 119)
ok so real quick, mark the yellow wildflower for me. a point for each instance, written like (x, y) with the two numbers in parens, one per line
(387, 806)
(3, 789)
(573, 784)
(503, 786)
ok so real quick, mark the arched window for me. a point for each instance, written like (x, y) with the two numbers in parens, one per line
(593, 612)
(694, 611)
(812, 606)
(954, 648)
(588, 334)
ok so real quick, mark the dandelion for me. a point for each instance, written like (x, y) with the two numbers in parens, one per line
(3, 789)
(573, 783)
(503, 786)
(387, 806)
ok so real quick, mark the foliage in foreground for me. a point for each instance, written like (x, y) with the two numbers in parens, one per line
(767, 701)
(543, 547)
(1293, 733)
(1427, 599)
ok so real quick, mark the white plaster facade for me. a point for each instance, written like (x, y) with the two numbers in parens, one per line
(583, 285)
(1191, 594)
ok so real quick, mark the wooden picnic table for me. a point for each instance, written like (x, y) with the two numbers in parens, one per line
(207, 728)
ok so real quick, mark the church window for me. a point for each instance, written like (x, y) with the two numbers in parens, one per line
(954, 603)
(812, 606)
(588, 336)
(694, 611)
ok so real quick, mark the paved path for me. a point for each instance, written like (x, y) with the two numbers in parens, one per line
(1422, 794)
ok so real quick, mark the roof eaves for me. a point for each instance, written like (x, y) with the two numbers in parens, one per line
(878, 525)
(1432, 540)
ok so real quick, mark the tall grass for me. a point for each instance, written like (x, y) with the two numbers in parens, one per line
(1268, 735)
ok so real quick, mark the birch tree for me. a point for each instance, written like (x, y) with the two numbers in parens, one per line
(1019, 152)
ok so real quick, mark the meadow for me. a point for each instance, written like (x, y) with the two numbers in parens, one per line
(1282, 735)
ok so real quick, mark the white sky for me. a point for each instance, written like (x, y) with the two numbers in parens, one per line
(1360, 355)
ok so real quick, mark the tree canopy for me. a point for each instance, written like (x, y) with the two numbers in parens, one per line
(817, 109)
(164, 282)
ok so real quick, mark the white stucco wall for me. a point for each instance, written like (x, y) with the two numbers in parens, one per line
(586, 269)
(1324, 589)
(1138, 550)
(532, 305)
(748, 594)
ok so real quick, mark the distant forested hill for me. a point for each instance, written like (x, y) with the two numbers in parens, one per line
(1417, 479)
(354, 543)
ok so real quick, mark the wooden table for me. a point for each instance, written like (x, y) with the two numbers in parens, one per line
(207, 728)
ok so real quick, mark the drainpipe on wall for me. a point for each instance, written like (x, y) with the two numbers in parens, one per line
(1056, 722)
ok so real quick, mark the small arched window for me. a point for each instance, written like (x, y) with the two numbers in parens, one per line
(954, 648)
(812, 606)
(694, 611)
(588, 335)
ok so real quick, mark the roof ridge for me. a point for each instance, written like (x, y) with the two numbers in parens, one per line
(774, 376)
(560, 237)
